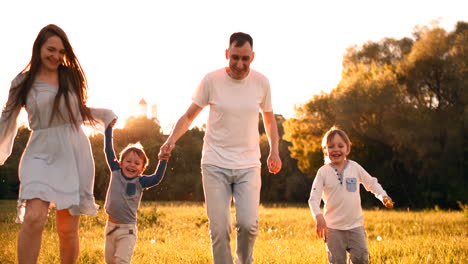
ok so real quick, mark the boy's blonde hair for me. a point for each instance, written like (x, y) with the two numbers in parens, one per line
(327, 138)
(136, 148)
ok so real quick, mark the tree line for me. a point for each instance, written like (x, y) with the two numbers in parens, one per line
(182, 180)
(403, 102)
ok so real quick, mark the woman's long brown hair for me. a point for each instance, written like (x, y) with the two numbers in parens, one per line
(71, 78)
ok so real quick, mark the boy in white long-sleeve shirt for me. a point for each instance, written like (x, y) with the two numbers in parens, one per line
(337, 184)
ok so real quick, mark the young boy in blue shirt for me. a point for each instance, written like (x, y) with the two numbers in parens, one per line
(124, 195)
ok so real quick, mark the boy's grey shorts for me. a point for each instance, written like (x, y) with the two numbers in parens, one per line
(341, 241)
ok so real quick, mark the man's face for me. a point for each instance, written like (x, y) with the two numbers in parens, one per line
(239, 60)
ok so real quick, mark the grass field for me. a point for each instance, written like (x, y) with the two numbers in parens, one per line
(177, 232)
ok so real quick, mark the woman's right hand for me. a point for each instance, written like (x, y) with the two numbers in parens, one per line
(321, 226)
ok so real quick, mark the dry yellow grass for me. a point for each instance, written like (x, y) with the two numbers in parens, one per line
(177, 232)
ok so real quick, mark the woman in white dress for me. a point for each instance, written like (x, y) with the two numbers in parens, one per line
(57, 167)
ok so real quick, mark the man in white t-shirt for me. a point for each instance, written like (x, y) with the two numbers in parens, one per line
(231, 153)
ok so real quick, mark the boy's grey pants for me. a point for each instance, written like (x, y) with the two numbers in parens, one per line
(341, 241)
(221, 186)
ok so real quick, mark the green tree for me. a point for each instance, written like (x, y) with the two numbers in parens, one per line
(9, 182)
(306, 129)
(434, 76)
(288, 185)
(400, 101)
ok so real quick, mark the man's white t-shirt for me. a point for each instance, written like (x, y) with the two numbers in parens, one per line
(232, 138)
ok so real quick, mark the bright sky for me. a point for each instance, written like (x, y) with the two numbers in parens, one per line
(160, 50)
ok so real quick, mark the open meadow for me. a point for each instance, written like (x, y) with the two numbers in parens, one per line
(177, 232)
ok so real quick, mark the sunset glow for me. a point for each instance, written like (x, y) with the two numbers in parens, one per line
(160, 51)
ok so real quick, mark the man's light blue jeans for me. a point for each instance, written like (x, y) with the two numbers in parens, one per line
(221, 186)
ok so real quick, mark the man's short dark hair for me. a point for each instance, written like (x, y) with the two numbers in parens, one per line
(239, 39)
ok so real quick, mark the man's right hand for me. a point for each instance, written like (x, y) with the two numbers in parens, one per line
(166, 150)
(180, 128)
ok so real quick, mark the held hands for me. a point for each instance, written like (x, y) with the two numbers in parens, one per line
(321, 226)
(274, 163)
(388, 202)
(112, 123)
(166, 150)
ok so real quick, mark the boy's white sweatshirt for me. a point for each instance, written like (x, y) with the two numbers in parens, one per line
(342, 209)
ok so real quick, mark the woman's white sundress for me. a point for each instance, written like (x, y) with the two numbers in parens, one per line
(57, 164)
